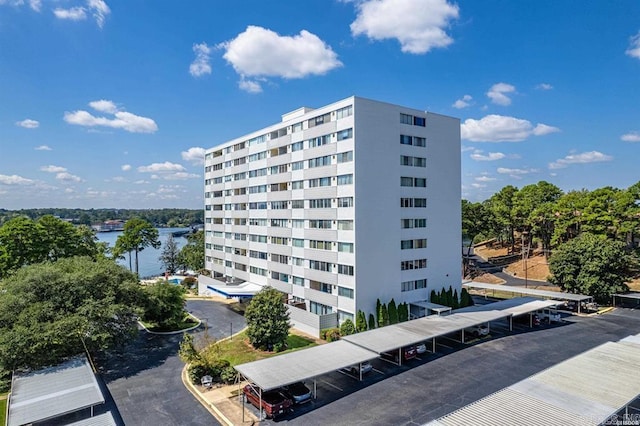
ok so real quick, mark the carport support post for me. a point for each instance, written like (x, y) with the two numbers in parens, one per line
(511, 323)
(434, 345)
(260, 404)
(315, 389)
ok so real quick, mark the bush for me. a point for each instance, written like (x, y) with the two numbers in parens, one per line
(332, 334)
(347, 328)
(189, 283)
(197, 370)
(228, 375)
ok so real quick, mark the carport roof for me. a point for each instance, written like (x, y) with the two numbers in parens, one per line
(282, 370)
(516, 306)
(527, 291)
(52, 392)
(395, 336)
(433, 306)
(585, 389)
(628, 295)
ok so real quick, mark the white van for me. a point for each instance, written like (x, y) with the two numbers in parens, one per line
(549, 315)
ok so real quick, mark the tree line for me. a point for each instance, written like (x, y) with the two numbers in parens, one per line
(589, 237)
(159, 217)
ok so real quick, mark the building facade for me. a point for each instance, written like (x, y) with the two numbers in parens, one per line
(338, 207)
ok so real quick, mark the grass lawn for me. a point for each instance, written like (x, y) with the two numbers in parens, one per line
(3, 408)
(188, 322)
(239, 351)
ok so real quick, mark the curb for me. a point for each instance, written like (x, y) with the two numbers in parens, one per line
(167, 333)
(208, 405)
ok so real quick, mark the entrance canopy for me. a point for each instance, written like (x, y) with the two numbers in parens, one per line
(52, 392)
(545, 294)
(245, 289)
(282, 370)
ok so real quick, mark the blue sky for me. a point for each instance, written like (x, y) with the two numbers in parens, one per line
(111, 103)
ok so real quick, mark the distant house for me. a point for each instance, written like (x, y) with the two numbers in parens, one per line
(109, 226)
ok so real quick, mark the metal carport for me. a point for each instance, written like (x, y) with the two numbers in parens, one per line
(587, 389)
(53, 392)
(544, 294)
(275, 372)
(516, 306)
(631, 296)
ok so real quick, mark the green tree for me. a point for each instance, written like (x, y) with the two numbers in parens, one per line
(361, 321)
(347, 327)
(372, 322)
(169, 257)
(592, 265)
(433, 298)
(455, 302)
(465, 299)
(393, 312)
(137, 235)
(49, 311)
(164, 304)
(383, 315)
(267, 319)
(187, 351)
(403, 312)
(476, 221)
(501, 205)
(192, 254)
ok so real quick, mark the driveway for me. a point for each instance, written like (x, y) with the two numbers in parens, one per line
(144, 378)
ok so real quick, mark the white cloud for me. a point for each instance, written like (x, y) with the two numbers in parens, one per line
(201, 66)
(485, 179)
(67, 177)
(634, 46)
(499, 128)
(515, 173)
(122, 119)
(544, 86)
(498, 93)
(462, 103)
(250, 86)
(118, 179)
(467, 148)
(492, 156)
(15, 180)
(53, 169)
(28, 123)
(161, 167)
(73, 14)
(43, 148)
(419, 25)
(259, 52)
(104, 105)
(97, 8)
(631, 137)
(176, 176)
(582, 158)
(194, 155)
(125, 167)
(36, 5)
(478, 185)
(141, 182)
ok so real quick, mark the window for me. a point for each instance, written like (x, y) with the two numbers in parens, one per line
(406, 160)
(279, 205)
(239, 237)
(413, 285)
(420, 182)
(279, 276)
(419, 162)
(258, 222)
(280, 223)
(406, 118)
(258, 254)
(345, 247)
(240, 266)
(298, 184)
(257, 140)
(324, 181)
(297, 281)
(420, 202)
(296, 127)
(417, 141)
(406, 223)
(258, 238)
(406, 140)
(320, 245)
(240, 176)
(345, 225)
(320, 266)
(345, 292)
(419, 121)
(298, 165)
(345, 269)
(406, 202)
(297, 242)
(319, 141)
(345, 157)
(406, 181)
(297, 146)
(344, 112)
(258, 206)
(345, 180)
(319, 120)
(280, 258)
(320, 224)
(420, 223)
(298, 223)
(320, 161)
(345, 202)
(257, 172)
(258, 271)
(217, 180)
(257, 189)
(406, 244)
(297, 261)
(421, 243)
(275, 187)
(345, 134)
(279, 169)
(297, 204)
(319, 308)
(321, 203)
(258, 156)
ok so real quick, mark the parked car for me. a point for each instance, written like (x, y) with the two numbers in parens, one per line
(408, 352)
(366, 367)
(421, 348)
(549, 315)
(274, 403)
(297, 392)
(477, 330)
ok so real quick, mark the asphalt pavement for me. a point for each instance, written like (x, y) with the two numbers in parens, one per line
(144, 378)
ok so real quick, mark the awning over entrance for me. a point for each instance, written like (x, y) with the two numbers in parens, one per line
(245, 289)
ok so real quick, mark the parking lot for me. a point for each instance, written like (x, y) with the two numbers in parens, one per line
(457, 374)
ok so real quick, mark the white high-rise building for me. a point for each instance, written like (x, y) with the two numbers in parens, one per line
(337, 207)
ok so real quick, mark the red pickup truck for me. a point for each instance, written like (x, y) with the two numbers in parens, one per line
(274, 403)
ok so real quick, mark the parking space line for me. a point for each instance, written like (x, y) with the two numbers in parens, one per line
(377, 371)
(443, 345)
(332, 385)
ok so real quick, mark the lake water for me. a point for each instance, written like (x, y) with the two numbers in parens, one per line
(148, 259)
